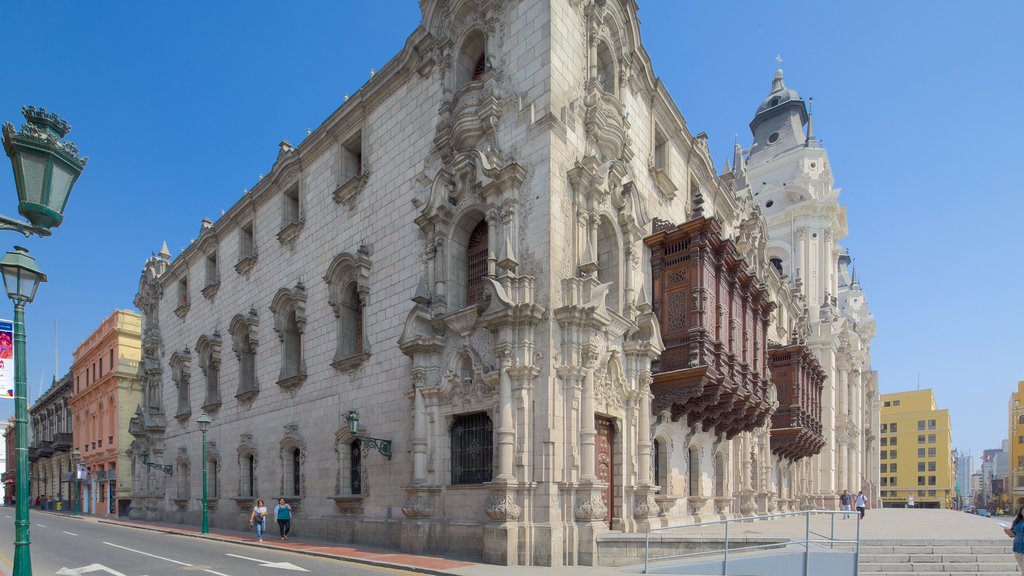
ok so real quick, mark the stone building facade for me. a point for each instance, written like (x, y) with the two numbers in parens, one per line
(49, 454)
(787, 173)
(106, 392)
(500, 302)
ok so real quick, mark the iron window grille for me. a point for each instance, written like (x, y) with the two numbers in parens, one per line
(472, 441)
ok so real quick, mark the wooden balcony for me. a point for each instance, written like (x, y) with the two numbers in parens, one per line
(714, 317)
(799, 380)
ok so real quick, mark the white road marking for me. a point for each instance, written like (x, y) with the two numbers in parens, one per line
(41, 525)
(70, 533)
(216, 573)
(269, 564)
(148, 554)
(87, 569)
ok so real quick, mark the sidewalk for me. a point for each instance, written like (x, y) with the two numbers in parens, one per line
(361, 554)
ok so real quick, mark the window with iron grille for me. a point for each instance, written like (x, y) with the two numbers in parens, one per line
(355, 467)
(472, 439)
(476, 264)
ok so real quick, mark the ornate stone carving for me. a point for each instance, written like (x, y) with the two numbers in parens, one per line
(502, 508)
(418, 506)
(591, 508)
(646, 507)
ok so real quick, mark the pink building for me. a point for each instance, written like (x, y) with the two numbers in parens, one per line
(106, 392)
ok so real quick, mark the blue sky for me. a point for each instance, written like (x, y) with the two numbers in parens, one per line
(181, 105)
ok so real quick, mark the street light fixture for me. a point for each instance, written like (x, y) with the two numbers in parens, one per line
(21, 280)
(76, 456)
(382, 446)
(45, 170)
(204, 425)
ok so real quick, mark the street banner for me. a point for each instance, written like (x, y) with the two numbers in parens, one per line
(81, 471)
(6, 359)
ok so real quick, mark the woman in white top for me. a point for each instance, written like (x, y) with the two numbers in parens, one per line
(258, 518)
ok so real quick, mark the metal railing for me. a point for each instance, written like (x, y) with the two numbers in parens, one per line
(825, 542)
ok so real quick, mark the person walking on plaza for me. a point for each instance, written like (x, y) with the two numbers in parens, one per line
(844, 503)
(862, 503)
(1016, 531)
(258, 518)
(283, 515)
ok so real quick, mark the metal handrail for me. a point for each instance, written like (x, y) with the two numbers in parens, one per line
(831, 540)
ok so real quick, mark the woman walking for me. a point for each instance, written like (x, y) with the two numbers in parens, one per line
(258, 518)
(283, 515)
(1016, 531)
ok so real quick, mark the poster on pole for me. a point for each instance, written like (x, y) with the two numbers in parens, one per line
(6, 359)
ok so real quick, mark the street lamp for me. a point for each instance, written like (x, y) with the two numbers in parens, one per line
(204, 425)
(21, 280)
(75, 457)
(45, 170)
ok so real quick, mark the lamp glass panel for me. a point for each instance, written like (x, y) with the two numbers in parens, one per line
(60, 186)
(11, 281)
(33, 170)
(29, 285)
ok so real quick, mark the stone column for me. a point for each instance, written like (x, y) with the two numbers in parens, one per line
(506, 428)
(419, 438)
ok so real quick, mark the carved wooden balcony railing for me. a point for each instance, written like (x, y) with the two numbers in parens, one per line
(714, 322)
(799, 380)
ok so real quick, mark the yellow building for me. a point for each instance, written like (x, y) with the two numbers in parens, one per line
(916, 451)
(1016, 487)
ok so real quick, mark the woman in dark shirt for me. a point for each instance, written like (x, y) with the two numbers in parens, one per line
(1016, 531)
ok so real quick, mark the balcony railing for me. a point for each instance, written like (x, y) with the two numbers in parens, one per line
(714, 323)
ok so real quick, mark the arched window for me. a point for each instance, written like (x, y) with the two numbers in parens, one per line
(246, 474)
(208, 349)
(476, 264)
(212, 479)
(289, 308)
(181, 375)
(605, 68)
(243, 342)
(693, 469)
(348, 280)
(182, 493)
(293, 472)
(777, 264)
(355, 467)
(293, 459)
(471, 62)
(660, 460)
(720, 475)
(608, 261)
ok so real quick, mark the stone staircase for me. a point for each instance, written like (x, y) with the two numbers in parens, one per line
(934, 557)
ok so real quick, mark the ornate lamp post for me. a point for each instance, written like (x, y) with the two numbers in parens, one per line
(75, 457)
(21, 279)
(204, 425)
(45, 170)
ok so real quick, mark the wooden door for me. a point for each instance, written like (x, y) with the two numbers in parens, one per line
(605, 461)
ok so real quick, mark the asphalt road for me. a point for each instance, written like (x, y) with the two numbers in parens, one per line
(63, 546)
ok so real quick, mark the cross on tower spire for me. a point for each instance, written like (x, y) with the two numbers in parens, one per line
(778, 62)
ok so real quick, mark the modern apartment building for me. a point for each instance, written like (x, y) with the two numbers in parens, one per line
(915, 451)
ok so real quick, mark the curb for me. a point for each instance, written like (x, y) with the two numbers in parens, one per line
(218, 538)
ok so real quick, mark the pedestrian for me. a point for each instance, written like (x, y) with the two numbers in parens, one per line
(862, 503)
(283, 515)
(37, 501)
(844, 503)
(1016, 531)
(910, 501)
(258, 518)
